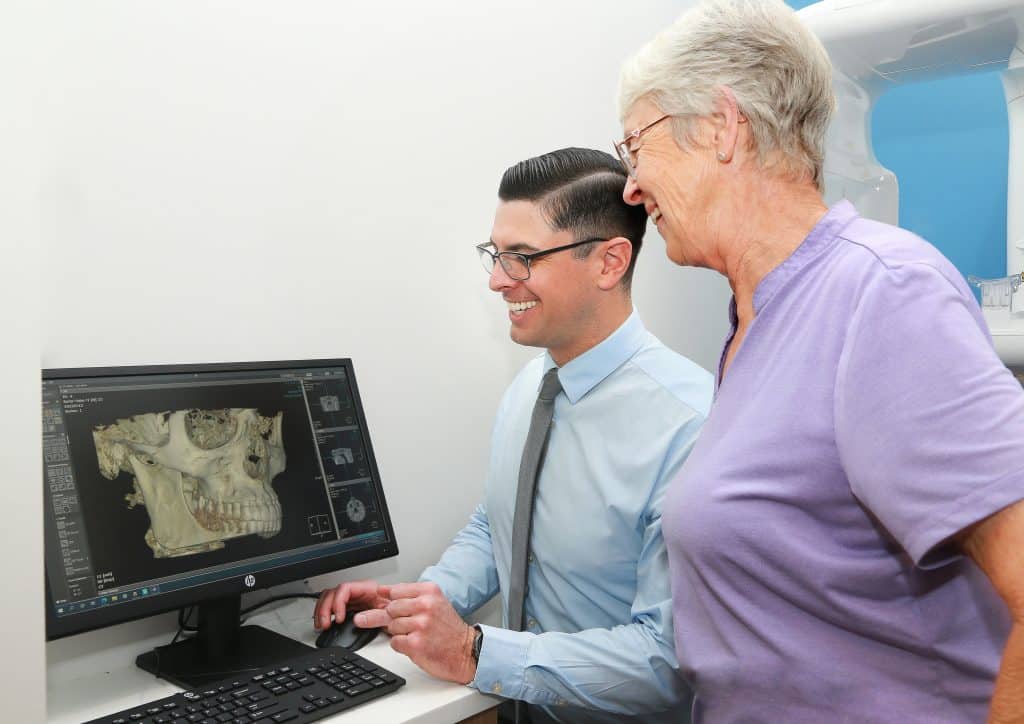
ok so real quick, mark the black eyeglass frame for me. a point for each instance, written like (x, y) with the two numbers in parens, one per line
(500, 256)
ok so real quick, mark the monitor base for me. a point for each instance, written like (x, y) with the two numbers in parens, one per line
(186, 664)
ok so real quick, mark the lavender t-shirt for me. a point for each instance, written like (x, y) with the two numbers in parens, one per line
(863, 421)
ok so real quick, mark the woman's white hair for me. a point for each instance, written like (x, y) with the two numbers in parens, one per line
(776, 68)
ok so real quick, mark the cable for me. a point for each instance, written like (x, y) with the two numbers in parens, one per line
(183, 616)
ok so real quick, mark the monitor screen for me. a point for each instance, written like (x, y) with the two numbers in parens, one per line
(167, 486)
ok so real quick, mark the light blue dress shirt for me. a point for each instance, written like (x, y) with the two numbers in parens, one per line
(598, 610)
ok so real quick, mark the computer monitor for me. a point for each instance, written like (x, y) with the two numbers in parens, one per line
(188, 485)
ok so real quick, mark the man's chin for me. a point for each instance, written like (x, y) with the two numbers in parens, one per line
(523, 337)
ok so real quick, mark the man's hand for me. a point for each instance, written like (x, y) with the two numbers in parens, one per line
(336, 603)
(426, 628)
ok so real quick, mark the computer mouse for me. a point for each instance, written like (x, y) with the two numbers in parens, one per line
(345, 634)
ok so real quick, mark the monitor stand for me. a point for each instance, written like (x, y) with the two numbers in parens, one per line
(220, 649)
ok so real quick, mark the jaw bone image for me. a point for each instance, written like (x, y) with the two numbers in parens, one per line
(204, 476)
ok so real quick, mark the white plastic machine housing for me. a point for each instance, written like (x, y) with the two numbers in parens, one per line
(876, 45)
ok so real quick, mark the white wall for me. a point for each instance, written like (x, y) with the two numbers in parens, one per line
(21, 570)
(284, 180)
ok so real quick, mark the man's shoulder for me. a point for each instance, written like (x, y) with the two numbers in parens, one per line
(679, 376)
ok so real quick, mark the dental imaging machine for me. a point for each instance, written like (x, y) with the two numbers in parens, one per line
(876, 45)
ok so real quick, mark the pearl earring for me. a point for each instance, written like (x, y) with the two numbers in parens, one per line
(721, 156)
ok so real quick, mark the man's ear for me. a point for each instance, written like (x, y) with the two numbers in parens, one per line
(616, 254)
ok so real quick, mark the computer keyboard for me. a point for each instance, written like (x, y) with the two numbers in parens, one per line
(302, 689)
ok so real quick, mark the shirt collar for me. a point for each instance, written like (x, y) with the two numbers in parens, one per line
(582, 374)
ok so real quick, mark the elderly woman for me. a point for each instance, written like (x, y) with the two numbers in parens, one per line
(846, 540)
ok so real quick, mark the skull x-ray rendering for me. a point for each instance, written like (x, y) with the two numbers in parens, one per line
(204, 476)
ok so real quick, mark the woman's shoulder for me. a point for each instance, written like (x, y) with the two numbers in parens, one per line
(891, 246)
(871, 250)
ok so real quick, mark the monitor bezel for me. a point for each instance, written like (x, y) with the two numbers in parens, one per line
(135, 609)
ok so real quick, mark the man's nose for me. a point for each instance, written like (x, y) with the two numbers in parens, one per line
(632, 194)
(499, 278)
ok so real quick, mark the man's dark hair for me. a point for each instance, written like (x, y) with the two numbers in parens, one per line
(579, 190)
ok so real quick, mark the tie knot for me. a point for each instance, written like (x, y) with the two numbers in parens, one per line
(550, 386)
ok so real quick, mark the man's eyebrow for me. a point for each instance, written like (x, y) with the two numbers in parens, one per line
(519, 247)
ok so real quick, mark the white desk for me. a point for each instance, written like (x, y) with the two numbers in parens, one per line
(113, 682)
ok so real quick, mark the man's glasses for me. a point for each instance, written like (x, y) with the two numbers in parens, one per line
(627, 154)
(516, 264)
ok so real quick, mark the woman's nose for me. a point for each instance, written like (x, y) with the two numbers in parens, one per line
(631, 194)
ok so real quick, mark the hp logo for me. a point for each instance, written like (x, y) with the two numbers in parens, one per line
(250, 581)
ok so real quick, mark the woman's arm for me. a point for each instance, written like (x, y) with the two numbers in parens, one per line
(997, 545)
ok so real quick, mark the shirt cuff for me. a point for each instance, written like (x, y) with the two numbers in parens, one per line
(502, 662)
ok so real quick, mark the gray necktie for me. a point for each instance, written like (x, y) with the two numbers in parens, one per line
(529, 468)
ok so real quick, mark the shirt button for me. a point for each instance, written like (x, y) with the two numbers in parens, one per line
(532, 623)
(496, 689)
(530, 558)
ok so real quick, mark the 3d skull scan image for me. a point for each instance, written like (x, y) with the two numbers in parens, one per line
(204, 476)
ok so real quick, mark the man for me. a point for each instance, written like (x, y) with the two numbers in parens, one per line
(596, 640)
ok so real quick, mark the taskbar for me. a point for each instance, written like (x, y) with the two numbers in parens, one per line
(116, 597)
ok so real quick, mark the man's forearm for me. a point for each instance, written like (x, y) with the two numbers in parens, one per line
(1008, 699)
(627, 669)
(466, 572)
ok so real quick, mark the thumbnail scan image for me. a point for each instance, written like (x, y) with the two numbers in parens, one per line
(204, 476)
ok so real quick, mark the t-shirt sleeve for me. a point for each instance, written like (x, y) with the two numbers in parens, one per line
(929, 422)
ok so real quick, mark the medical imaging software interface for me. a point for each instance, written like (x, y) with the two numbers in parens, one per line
(160, 482)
